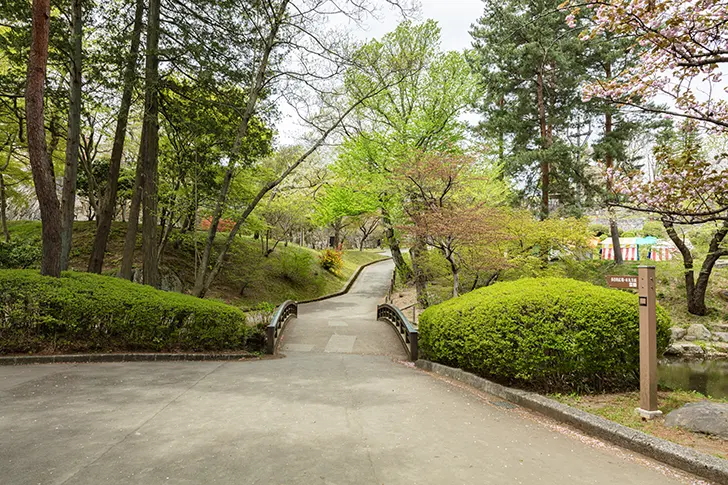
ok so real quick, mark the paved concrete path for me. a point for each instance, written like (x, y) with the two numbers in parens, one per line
(315, 417)
(348, 323)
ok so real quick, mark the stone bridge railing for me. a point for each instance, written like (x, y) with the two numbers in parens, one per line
(285, 311)
(407, 332)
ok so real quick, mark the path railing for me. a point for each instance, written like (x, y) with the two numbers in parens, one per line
(285, 311)
(407, 333)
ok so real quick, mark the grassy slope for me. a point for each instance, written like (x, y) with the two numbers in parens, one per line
(290, 272)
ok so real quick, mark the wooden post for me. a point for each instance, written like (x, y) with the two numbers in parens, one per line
(648, 343)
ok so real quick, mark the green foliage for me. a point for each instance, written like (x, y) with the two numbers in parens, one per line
(599, 230)
(20, 253)
(548, 333)
(533, 240)
(516, 45)
(629, 234)
(340, 200)
(419, 112)
(83, 312)
(295, 267)
(331, 260)
(654, 229)
(701, 235)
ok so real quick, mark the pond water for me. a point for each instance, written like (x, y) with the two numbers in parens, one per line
(709, 377)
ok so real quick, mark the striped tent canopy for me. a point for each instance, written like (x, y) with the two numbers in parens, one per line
(630, 247)
(663, 250)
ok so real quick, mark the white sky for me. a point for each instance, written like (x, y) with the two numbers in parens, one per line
(454, 18)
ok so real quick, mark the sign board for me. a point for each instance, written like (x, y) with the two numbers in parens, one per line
(622, 281)
(645, 286)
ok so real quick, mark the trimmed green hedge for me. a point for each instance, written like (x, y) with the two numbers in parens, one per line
(552, 334)
(83, 312)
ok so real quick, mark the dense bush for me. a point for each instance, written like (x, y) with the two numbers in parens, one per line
(19, 253)
(295, 266)
(332, 260)
(552, 334)
(87, 312)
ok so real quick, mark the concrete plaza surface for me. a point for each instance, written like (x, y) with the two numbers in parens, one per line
(321, 415)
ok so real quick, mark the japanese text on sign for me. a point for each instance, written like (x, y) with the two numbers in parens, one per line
(622, 281)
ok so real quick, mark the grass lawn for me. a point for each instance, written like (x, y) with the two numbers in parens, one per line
(620, 409)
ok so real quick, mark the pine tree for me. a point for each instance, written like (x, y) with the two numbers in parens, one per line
(530, 63)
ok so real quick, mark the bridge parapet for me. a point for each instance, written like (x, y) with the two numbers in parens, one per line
(285, 311)
(407, 332)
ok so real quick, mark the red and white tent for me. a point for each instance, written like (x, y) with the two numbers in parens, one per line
(628, 245)
(662, 251)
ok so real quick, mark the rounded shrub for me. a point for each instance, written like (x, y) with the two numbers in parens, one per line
(553, 334)
(82, 312)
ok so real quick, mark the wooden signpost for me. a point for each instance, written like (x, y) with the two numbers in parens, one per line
(644, 283)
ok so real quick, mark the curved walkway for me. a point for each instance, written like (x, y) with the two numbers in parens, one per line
(321, 416)
(346, 324)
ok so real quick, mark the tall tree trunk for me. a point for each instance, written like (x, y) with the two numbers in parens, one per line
(695, 306)
(501, 135)
(696, 290)
(337, 233)
(455, 275)
(614, 233)
(132, 227)
(545, 144)
(609, 162)
(417, 252)
(3, 194)
(4, 209)
(166, 231)
(43, 179)
(105, 214)
(393, 241)
(212, 232)
(70, 174)
(200, 279)
(150, 151)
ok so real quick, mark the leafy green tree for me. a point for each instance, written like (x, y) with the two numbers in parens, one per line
(530, 64)
(420, 114)
(452, 204)
(687, 188)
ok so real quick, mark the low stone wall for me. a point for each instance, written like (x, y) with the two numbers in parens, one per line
(697, 342)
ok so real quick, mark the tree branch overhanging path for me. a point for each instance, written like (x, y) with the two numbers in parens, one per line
(209, 275)
(332, 105)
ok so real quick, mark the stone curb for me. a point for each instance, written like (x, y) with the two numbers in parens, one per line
(687, 459)
(349, 283)
(90, 358)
